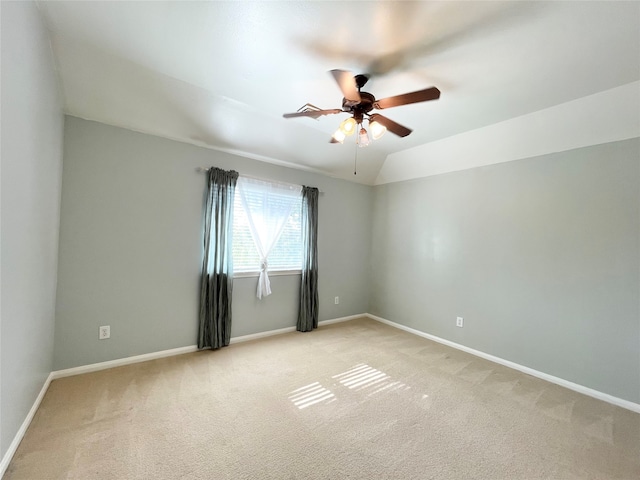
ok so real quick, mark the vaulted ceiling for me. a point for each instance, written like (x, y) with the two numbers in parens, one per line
(221, 74)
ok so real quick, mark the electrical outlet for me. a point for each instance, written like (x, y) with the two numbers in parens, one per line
(104, 332)
(337, 300)
(459, 322)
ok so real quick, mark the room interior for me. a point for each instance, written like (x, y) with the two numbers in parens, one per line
(514, 202)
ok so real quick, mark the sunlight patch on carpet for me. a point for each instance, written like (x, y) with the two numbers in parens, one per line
(311, 394)
(362, 376)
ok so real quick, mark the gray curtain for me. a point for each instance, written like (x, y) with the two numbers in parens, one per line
(308, 312)
(217, 264)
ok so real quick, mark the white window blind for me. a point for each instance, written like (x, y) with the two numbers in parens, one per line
(286, 254)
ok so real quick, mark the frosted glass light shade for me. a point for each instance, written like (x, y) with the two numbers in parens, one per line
(339, 136)
(348, 127)
(377, 129)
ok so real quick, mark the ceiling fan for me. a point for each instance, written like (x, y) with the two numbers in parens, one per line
(359, 105)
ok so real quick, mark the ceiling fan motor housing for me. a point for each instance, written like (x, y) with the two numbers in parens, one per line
(365, 106)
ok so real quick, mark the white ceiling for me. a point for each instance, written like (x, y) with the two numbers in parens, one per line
(221, 74)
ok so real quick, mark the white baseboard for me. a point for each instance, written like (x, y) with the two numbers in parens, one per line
(341, 319)
(256, 336)
(269, 333)
(6, 459)
(119, 362)
(620, 402)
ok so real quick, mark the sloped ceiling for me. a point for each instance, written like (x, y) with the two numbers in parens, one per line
(221, 74)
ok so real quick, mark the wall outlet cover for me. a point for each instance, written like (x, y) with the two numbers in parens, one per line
(104, 332)
(459, 322)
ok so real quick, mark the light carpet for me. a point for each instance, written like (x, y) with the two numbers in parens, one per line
(353, 400)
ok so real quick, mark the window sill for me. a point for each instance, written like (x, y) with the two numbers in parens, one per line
(275, 273)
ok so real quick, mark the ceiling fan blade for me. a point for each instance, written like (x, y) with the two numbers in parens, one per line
(414, 97)
(312, 113)
(392, 126)
(347, 84)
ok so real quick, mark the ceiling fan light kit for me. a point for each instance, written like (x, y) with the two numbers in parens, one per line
(359, 105)
(348, 128)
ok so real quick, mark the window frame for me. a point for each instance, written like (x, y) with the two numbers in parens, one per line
(256, 273)
(272, 273)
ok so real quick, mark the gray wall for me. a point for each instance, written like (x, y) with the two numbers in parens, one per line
(130, 246)
(540, 257)
(32, 130)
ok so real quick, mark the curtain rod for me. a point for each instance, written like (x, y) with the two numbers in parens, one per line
(205, 170)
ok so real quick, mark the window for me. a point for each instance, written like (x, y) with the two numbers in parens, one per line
(266, 199)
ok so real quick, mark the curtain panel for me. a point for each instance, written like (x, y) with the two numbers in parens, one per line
(217, 263)
(308, 309)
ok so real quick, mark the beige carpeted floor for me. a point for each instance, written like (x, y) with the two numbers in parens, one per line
(354, 400)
